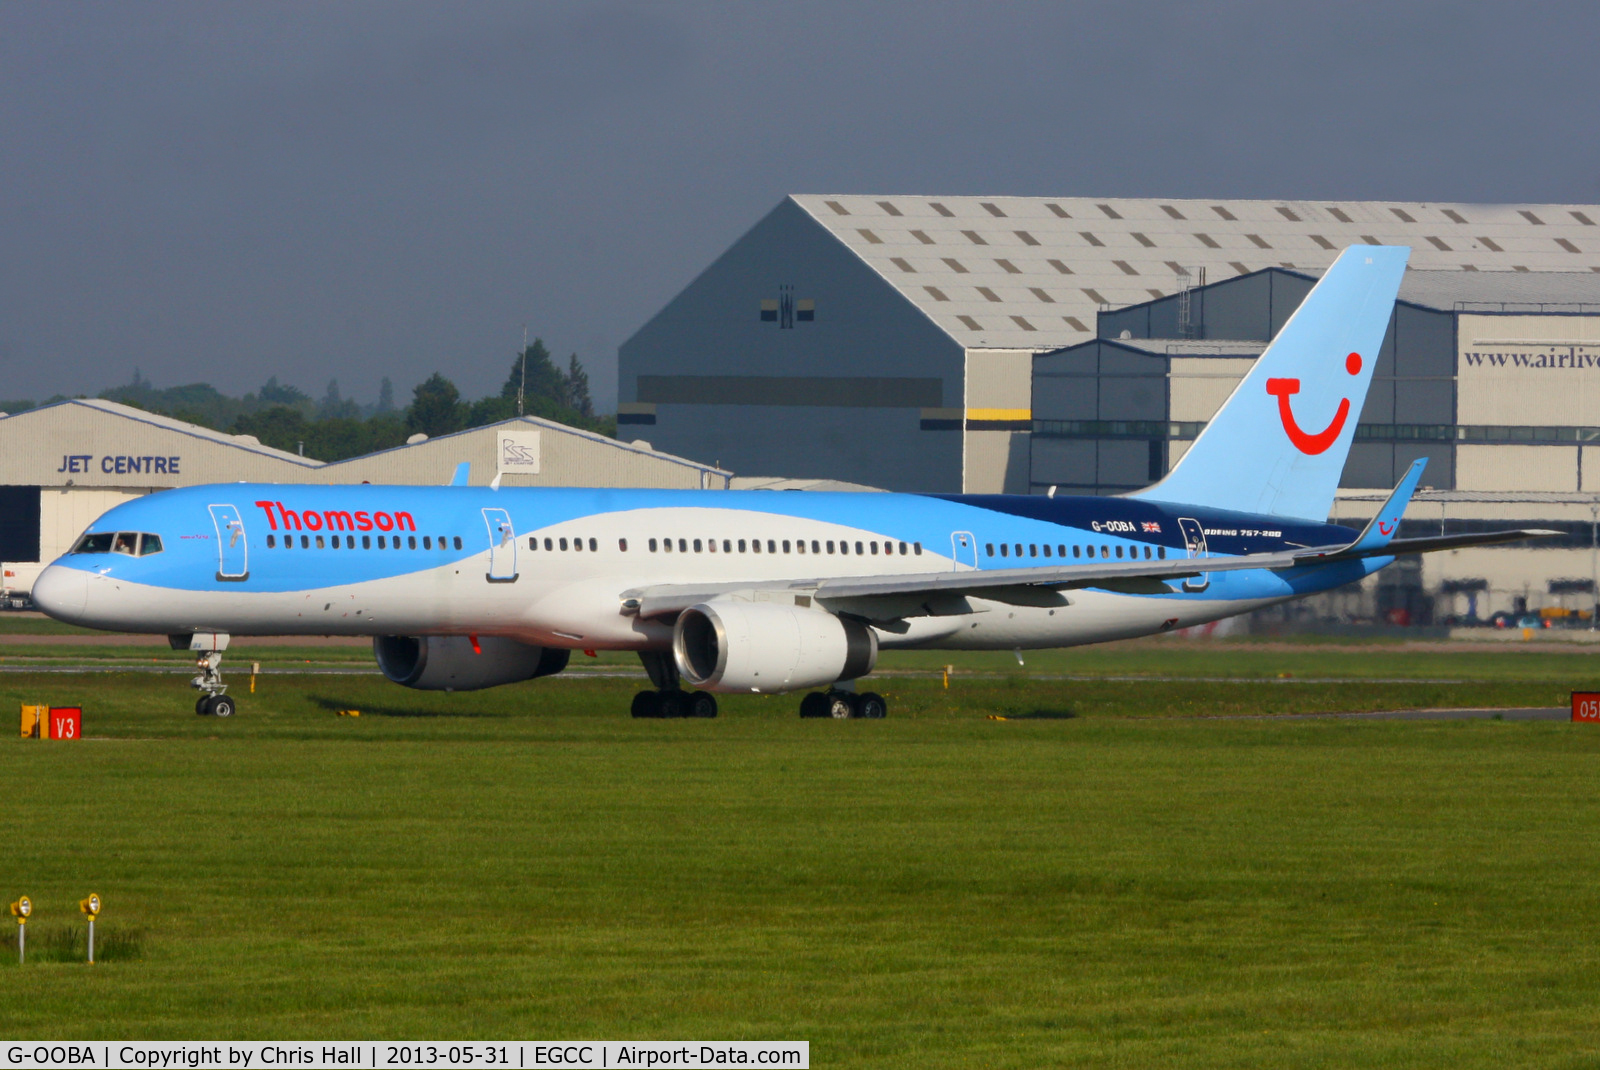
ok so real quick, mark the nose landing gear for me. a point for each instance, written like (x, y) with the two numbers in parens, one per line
(208, 648)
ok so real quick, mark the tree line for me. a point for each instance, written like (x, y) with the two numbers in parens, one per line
(334, 427)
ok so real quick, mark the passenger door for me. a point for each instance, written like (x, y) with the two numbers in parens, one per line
(502, 546)
(1194, 540)
(233, 549)
(963, 550)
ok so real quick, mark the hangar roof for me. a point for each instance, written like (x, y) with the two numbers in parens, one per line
(1032, 272)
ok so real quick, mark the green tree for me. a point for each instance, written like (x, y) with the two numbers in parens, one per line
(544, 380)
(436, 408)
(385, 396)
(577, 392)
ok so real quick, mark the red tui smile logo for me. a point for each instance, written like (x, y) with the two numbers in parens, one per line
(1385, 528)
(1305, 441)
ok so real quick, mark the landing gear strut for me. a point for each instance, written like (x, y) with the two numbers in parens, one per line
(669, 699)
(840, 704)
(213, 702)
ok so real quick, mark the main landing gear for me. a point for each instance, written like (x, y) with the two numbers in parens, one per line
(840, 704)
(212, 701)
(669, 699)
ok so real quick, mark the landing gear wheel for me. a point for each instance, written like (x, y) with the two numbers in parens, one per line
(202, 706)
(814, 705)
(674, 704)
(842, 705)
(872, 707)
(221, 706)
(702, 704)
(647, 704)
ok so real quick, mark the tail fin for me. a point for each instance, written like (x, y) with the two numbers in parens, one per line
(1279, 443)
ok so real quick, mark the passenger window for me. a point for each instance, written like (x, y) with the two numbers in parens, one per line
(683, 546)
(785, 545)
(799, 546)
(1047, 549)
(272, 541)
(563, 543)
(427, 542)
(916, 548)
(549, 544)
(1119, 552)
(1161, 552)
(1077, 550)
(755, 546)
(1005, 551)
(816, 547)
(858, 548)
(741, 546)
(711, 546)
(666, 546)
(830, 546)
(988, 549)
(594, 546)
(1061, 550)
(1033, 549)
(772, 546)
(727, 546)
(652, 546)
(874, 546)
(844, 547)
(1147, 553)
(902, 549)
(320, 544)
(1019, 549)
(127, 542)
(366, 542)
(1105, 552)
(411, 542)
(697, 546)
(382, 545)
(533, 542)
(622, 544)
(457, 541)
(577, 544)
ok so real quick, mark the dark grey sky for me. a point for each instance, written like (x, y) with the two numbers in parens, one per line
(228, 192)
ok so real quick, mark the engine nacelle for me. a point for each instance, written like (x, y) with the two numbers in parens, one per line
(768, 647)
(448, 662)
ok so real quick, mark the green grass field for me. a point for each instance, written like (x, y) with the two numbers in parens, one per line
(1117, 876)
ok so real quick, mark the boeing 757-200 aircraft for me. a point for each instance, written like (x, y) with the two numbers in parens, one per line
(754, 591)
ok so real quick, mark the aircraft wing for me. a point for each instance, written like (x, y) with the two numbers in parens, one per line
(944, 593)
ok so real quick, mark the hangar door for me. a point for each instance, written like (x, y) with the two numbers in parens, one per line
(19, 524)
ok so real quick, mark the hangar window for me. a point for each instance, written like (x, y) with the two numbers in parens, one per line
(1009, 267)
(1469, 267)
(1370, 240)
(922, 237)
(1026, 238)
(1489, 244)
(1438, 243)
(1519, 267)
(1142, 240)
(1339, 215)
(1567, 245)
(974, 237)
(1288, 214)
(1075, 323)
(903, 264)
(955, 265)
(1453, 215)
(1091, 239)
(1223, 212)
(1239, 267)
(1261, 243)
(1127, 268)
(1041, 295)
(988, 293)
(1530, 217)
(1059, 266)
(1024, 324)
(936, 293)
(272, 541)
(838, 209)
(1158, 295)
(888, 208)
(941, 209)
(993, 209)
(1323, 242)
(1111, 213)
(1171, 211)
(1207, 240)
(1094, 295)
(1057, 209)
(969, 323)
(1579, 216)
(871, 238)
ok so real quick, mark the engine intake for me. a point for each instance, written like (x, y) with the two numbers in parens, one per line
(767, 647)
(448, 662)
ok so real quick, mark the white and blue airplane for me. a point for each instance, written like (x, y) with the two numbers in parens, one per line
(753, 591)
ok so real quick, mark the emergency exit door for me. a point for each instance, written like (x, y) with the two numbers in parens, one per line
(233, 549)
(502, 546)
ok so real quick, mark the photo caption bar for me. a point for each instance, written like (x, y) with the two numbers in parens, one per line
(376, 1055)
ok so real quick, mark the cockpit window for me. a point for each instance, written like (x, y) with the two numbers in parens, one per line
(122, 542)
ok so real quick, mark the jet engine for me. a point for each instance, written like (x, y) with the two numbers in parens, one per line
(768, 647)
(448, 662)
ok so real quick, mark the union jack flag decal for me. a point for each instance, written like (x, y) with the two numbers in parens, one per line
(1151, 525)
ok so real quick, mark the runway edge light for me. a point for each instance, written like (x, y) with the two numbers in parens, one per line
(90, 908)
(22, 909)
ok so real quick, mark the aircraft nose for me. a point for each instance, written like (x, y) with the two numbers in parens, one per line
(62, 592)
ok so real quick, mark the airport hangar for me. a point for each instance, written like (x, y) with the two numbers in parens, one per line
(63, 465)
(936, 344)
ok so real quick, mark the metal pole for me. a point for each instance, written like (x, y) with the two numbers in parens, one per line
(91, 941)
(22, 943)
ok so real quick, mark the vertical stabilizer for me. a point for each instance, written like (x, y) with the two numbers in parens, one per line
(1279, 443)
